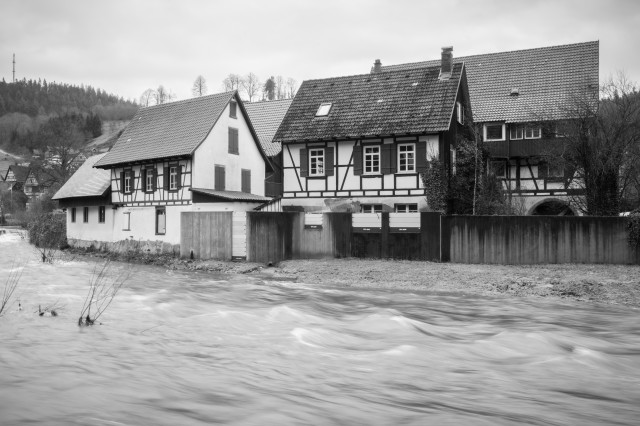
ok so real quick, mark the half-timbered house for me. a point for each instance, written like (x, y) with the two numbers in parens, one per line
(520, 100)
(361, 143)
(200, 154)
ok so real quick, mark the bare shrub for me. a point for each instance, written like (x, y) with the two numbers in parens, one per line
(10, 286)
(103, 287)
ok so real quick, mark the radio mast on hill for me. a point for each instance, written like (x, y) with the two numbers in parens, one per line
(14, 67)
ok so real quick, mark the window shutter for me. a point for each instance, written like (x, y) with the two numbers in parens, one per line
(304, 163)
(233, 141)
(165, 179)
(178, 177)
(388, 159)
(357, 160)
(144, 180)
(421, 157)
(246, 181)
(328, 161)
(122, 182)
(154, 173)
(219, 176)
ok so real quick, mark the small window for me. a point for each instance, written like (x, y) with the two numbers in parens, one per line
(233, 141)
(219, 177)
(460, 112)
(316, 162)
(499, 169)
(149, 183)
(173, 178)
(406, 158)
(323, 110)
(245, 179)
(371, 159)
(101, 214)
(232, 109)
(406, 208)
(128, 181)
(126, 221)
(85, 215)
(454, 161)
(532, 132)
(516, 132)
(494, 132)
(161, 220)
(371, 208)
(73, 214)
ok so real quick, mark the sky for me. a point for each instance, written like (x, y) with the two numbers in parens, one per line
(127, 46)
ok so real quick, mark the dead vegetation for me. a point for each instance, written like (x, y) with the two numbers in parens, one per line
(104, 285)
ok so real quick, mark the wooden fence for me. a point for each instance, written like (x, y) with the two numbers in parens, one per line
(276, 236)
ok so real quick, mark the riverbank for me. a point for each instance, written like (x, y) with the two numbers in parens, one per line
(610, 284)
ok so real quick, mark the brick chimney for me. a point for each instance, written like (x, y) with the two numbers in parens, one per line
(446, 64)
(377, 67)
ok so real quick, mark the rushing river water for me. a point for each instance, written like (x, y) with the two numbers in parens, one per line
(185, 348)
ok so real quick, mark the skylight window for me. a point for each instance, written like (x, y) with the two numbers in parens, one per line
(323, 110)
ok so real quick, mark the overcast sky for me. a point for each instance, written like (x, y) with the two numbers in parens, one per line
(125, 47)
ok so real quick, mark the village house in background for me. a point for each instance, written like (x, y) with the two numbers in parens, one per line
(266, 117)
(519, 101)
(200, 154)
(360, 143)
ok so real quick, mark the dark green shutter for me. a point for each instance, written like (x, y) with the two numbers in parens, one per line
(154, 173)
(122, 182)
(246, 181)
(328, 161)
(144, 180)
(357, 160)
(178, 176)
(421, 157)
(165, 179)
(388, 159)
(304, 163)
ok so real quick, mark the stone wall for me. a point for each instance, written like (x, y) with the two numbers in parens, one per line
(130, 245)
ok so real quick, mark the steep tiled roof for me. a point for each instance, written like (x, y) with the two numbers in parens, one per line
(87, 181)
(19, 172)
(230, 195)
(266, 117)
(545, 78)
(168, 130)
(412, 101)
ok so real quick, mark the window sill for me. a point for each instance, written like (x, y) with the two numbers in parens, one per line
(372, 175)
(316, 177)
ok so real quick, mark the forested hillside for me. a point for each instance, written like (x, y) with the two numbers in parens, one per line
(27, 106)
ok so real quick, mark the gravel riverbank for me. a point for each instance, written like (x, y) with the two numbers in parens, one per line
(611, 284)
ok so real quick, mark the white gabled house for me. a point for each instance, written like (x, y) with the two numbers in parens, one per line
(200, 154)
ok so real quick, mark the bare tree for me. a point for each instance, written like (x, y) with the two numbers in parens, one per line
(199, 86)
(251, 85)
(232, 82)
(291, 87)
(147, 98)
(280, 87)
(163, 95)
(602, 145)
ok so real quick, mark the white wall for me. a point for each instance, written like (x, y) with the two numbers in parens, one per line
(92, 230)
(215, 150)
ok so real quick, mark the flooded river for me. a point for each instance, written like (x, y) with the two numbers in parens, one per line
(186, 348)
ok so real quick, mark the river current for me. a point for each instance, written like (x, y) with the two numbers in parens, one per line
(188, 348)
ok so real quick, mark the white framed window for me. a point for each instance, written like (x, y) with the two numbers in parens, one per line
(128, 181)
(323, 109)
(371, 208)
(532, 132)
(316, 162)
(126, 221)
(173, 178)
(516, 132)
(161, 220)
(460, 112)
(494, 132)
(371, 159)
(406, 158)
(406, 208)
(150, 176)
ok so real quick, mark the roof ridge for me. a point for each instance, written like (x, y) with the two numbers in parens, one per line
(369, 74)
(184, 101)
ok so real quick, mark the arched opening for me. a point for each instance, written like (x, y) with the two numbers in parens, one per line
(552, 207)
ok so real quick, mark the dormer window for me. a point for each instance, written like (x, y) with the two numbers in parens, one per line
(323, 110)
